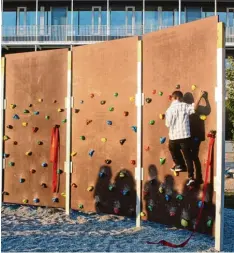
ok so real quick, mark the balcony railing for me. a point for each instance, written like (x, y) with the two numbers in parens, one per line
(66, 34)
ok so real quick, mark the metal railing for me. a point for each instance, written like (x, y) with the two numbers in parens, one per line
(67, 34)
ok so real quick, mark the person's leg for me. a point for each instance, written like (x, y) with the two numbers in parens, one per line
(174, 148)
(185, 145)
(196, 160)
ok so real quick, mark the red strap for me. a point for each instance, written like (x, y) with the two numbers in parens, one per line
(208, 165)
(54, 155)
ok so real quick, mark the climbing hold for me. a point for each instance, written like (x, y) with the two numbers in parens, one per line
(5, 137)
(123, 173)
(103, 139)
(146, 192)
(81, 101)
(36, 113)
(91, 152)
(126, 113)
(28, 153)
(162, 160)
(161, 116)
(30, 105)
(9, 126)
(60, 110)
(107, 161)
(11, 164)
(150, 208)
(179, 197)
(63, 194)
(39, 142)
(132, 99)
(167, 197)
(133, 162)
(209, 222)
(125, 191)
(73, 153)
(162, 140)
(74, 185)
(36, 200)
(22, 180)
(54, 101)
(32, 171)
(44, 165)
(193, 87)
(176, 173)
(16, 116)
(88, 121)
(109, 122)
(92, 95)
(90, 188)
(40, 100)
(81, 206)
(24, 124)
(147, 148)
(43, 185)
(35, 129)
(134, 128)
(184, 223)
(47, 117)
(148, 100)
(82, 137)
(102, 102)
(59, 171)
(26, 111)
(203, 117)
(12, 106)
(161, 189)
(111, 109)
(142, 214)
(116, 94)
(172, 211)
(177, 86)
(152, 122)
(77, 110)
(116, 210)
(170, 97)
(64, 120)
(5, 155)
(122, 141)
(97, 200)
(153, 91)
(200, 204)
(4, 193)
(160, 93)
(15, 143)
(55, 200)
(102, 173)
(25, 201)
(111, 187)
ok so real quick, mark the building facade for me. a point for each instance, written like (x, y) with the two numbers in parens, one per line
(39, 24)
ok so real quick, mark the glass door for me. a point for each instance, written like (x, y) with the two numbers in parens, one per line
(96, 19)
(230, 17)
(130, 20)
(59, 22)
(21, 20)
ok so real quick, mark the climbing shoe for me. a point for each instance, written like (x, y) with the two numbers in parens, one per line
(190, 182)
(176, 168)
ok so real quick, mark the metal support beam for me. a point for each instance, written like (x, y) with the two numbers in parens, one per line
(108, 19)
(72, 20)
(36, 22)
(215, 7)
(179, 18)
(143, 17)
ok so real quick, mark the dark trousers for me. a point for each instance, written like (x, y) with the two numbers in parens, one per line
(175, 147)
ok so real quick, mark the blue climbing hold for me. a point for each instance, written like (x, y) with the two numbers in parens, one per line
(162, 139)
(102, 173)
(134, 128)
(22, 180)
(91, 152)
(125, 192)
(44, 165)
(36, 113)
(55, 200)
(16, 116)
(36, 200)
(109, 122)
(199, 204)
(167, 197)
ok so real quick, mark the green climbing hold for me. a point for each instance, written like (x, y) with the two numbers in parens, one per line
(160, 93)
(152, 122)
(179, 197)
(64, 120)
(184, 223)
(82, 137)
(26, 111)
(81, 206)
(209, 223)
(47, 117)
(59, 171)
(11, 164)
(150, 208)
(162, 161)
(116, 94)
(111, 109)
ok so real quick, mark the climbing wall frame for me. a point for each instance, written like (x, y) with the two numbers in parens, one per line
(179, 58)
(36, 86)
(104, 114)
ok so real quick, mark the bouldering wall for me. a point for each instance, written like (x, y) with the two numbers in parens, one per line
(179, 58)
(104, 127)
(36, 85)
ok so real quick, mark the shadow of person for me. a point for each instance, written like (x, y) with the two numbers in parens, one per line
(124, 194)
(102, 196)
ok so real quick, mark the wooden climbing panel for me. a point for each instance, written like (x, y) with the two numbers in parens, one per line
(180, 58)
(103, 127)
(35, 89)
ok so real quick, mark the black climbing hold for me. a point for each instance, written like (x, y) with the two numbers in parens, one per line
(59, 171)
(148, 100)
(22, 180)
(177, 86)
(91, 152)
(107, 161)
(43, 185)
(102, 102)
(55, 200)
(109, 122)
(10, 126)
(122, 141)
(77, 110)
(6, 155)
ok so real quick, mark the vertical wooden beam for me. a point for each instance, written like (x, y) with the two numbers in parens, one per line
(220, 142)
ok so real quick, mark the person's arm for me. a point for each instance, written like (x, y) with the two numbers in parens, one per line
(168, 117)
(196, 104)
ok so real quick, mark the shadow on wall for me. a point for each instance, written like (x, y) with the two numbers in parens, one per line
(116, 196)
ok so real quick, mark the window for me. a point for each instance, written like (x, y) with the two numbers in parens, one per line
(230, 17)
(96, 19)
(117, 22)
(193, 13)
(130, 19)
(151, 20)
(9, 18)
(167, 18)
(21, 20)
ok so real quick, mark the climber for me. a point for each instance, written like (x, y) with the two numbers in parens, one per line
(177, 120)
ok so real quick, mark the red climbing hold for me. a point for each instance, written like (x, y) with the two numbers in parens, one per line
(153, 91)
(35, 129)
(91, 95)
(133, 162)
(147, 148)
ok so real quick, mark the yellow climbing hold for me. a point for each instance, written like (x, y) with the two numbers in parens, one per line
(90, 188)
(25, 201)
(12, 106)
(40, 100)
(184, 223)
(121, 174)
(161, 116)
(142, 214)
(5, 138)
(132, 99)
(24, 124)
(74, 153)
(60, 110)
(63, 194)
(28, 153)
(176, 173)
(103, 139)
(193, 87)
(203, 117)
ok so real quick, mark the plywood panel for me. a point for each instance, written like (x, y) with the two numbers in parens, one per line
(184, 55)
(29, 78)
(100, 71)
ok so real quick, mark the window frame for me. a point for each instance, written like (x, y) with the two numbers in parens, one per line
(98, 30)
(133, 9)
